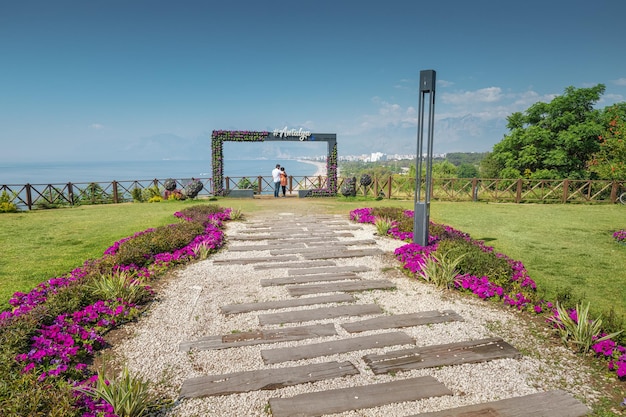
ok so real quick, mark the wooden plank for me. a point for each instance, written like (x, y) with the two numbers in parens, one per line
(243, 261)
(345, 242)
(322, 269)
(472, 351)
(259, 337)
(322, 313)
(305, 264)
(334, 347)
(350, 253)
(246, 248)
(357, 398)
(402, 320)
(264, 379)
(337, 246)
(374, 284)
(293, 302)
(308, 239)
(301, 279)
(555, 403)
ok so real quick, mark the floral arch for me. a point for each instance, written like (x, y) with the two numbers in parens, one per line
(218, 137)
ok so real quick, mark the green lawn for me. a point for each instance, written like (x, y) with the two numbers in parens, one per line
(562, 246)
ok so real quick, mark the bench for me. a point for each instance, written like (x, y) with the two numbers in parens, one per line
(240, 193)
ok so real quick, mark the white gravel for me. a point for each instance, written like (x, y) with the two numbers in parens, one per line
(188, 309)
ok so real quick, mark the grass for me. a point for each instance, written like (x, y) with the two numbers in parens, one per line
(564, 247)
(39, 245)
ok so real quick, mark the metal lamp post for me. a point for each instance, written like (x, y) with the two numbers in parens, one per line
(421, 217)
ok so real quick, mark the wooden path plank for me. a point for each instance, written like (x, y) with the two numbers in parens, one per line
(243, 261)
(374, 284)
(302, 279)
(322, 269)
(308, 239)
(357, 398)
(264, 379)
(350, 253)
(332, 247)
(555, 403)
(301, 264)
(402, 320)
(267, 246)
(334, 347)
(294, 238)
(345, 242)
(471, 351)
(292, 302)
(322, 313)
(284, 334)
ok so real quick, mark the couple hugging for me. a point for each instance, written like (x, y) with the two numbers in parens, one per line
(280, 180)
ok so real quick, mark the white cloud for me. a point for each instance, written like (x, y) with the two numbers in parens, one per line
(96, 126)
(619, 81)
(484, 95)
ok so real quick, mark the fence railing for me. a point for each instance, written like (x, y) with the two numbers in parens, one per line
(33, 196)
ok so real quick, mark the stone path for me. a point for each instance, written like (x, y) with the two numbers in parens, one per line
(307, 248)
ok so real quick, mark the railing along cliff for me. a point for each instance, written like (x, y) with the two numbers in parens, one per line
(33, 196)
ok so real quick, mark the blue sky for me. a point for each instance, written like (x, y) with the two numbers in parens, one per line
(128, 80)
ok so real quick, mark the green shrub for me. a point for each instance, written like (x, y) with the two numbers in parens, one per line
(23, 395)
(582, 332)
(201, 212)
(141, 249)
(477, 262)
(120, 284)
(129, 396)
(383, 224)
(137, 195)
(6, 203)
(151, 192)
(441, 270)
(94, 194)
(395, 213)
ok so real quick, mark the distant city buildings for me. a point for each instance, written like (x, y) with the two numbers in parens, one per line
(373, 157)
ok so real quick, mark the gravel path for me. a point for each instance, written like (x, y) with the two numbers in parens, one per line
(189, 304)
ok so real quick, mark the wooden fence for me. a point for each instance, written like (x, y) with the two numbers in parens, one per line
(34, 196)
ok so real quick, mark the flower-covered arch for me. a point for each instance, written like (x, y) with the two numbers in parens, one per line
(218, 137)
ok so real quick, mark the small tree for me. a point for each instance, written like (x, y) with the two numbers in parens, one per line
(610, 161)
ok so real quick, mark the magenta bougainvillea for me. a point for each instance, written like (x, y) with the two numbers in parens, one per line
(413, 257)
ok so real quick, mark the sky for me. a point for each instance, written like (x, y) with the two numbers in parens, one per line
(124, 80)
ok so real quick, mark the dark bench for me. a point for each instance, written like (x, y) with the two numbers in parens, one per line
(240, 193)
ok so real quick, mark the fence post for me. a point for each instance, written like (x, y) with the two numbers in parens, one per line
(29, 198)
(518, 194)
(614, 186)
(115, 196)
(259, 184)
(70, 193)
(290, 184)
(474, 189)
(375, 186)
(389, 187)
(565, 191)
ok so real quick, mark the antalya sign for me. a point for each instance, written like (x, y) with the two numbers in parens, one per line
(285, 133)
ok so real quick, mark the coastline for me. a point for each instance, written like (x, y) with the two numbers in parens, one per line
(320, 167)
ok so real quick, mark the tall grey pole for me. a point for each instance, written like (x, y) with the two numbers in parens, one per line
(421, 217)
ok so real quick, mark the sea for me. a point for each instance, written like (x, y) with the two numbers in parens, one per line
(37, 173)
